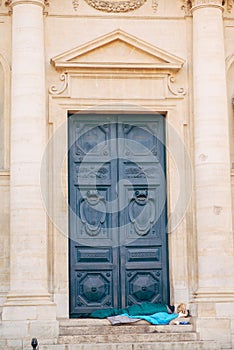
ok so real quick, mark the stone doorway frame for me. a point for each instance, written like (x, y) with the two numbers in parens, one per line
(79, 93)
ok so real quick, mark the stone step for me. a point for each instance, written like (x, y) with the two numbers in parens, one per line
(129, 329)
(128, 338)
(183, 345)
(88, 322)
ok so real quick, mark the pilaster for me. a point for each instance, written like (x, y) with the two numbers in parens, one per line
(215, 280)
(212, 163)
(28, 298)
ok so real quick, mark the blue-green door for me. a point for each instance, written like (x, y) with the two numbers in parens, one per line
(117, 217)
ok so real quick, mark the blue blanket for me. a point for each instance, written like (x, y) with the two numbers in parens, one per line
(157, 318)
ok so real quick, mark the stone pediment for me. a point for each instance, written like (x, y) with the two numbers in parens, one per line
(117, 49)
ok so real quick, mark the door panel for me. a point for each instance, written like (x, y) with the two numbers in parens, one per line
(117, 199)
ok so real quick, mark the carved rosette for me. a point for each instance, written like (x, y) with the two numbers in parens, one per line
(116, 6)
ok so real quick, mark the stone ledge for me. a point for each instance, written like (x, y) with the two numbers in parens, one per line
(127, 338)
(145, 328)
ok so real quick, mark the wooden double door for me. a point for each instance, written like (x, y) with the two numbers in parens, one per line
(118, 253)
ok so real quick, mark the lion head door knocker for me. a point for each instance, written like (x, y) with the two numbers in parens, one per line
(142, 212)
(93, 212)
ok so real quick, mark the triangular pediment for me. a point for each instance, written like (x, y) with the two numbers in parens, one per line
(117, 50)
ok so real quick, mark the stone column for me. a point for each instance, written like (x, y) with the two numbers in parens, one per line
(28, 298)
(212, 155)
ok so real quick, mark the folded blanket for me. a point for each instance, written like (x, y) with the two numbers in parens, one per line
(145, 308)
(121, 319)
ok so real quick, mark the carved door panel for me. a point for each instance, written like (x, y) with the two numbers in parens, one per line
(117, 201)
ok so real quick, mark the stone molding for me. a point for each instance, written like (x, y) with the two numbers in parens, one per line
(207, 2)
(85, 56)
(86, 59)
(209, 295)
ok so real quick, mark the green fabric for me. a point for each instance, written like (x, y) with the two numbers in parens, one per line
(133, 310)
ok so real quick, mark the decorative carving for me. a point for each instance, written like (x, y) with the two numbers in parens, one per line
(230, 5)
(149, 254)
(93, 212)
(116, 6)
(93, 141)
(141, 212)
(75, 4)
(92, 172)
(94, 288)
(144, 287)
(8, 3)
(88, 255)
(180, 91)
(53, 90)
(155, 5)
(187, 5)
(141, 137)
(135, 172)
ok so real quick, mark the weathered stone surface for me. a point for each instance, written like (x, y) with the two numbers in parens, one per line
(128, 338)
(120, 330)
(35, 99)
(146, 346)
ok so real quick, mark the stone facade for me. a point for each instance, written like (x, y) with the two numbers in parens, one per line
(170, 56)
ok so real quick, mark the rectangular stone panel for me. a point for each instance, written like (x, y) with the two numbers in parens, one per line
(118, 88)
